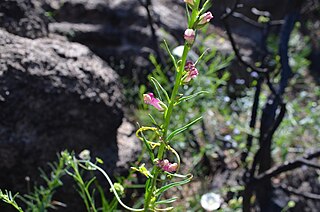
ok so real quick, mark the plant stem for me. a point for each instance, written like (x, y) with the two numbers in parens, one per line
(155, 170)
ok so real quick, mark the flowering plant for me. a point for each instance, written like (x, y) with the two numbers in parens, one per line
(164, 173)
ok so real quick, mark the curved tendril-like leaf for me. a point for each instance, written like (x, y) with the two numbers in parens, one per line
(174, 184)
(111, 185)
(170, 54)
(159, 86)
(180, 130)
(141, 129)
(185, 98)
(145, 141)
(153, 145)
(176, 154)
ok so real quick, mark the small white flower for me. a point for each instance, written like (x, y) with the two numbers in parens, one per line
(211, 201)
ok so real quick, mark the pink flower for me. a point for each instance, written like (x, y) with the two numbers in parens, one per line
(205, 18)
(189, 35)
(189, 66)
(165, 165)
(189, 2)
(192, 71)
(150, 100)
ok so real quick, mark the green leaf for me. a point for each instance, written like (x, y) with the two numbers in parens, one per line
(180, 130)
(190, 96)
(87, 185)
(170, 54)
(201, 56)
(206, 6)
(171, 185)
(148, 146)
(158, 86)
(167, 201)
(153, 120)
(188, 13)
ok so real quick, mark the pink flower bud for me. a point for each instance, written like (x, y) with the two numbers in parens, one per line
(191, 75)
(189, 2)
(172, 167)
(165, 165)
(189, 35)
(189, 66)
(205, 18)
(150, 100)
(192, 71)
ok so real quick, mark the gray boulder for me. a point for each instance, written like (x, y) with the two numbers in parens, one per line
(57, 95)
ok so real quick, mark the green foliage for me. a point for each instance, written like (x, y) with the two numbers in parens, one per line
(9, 199)
(41, 198)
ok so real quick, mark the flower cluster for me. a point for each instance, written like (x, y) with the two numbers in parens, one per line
(190, 33)
(192, 71)
(165, 165)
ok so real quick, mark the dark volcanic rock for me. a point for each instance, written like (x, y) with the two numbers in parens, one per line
(117, 30)
(24, 18)
(56, 95)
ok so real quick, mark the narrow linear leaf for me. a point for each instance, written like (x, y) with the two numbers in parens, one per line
(180, 130)
(89, 183)
(153, 120)
(206, 6)
(167, 201)
(201, 56)
(171, 185)
(157, 84)
(157, 89)
(170, 54)
(187, 12)
(148, 146)
(191, 96)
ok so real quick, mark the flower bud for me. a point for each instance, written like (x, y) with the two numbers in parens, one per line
(189, 35)
(205, 18)
(190, 2)
(192, 72)
(165, 165)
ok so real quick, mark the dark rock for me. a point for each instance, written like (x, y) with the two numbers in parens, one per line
(23, 18)
(57, 95)
(117, 30)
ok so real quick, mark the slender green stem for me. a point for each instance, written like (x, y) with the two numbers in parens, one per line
(175, 90)
(155, 170)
